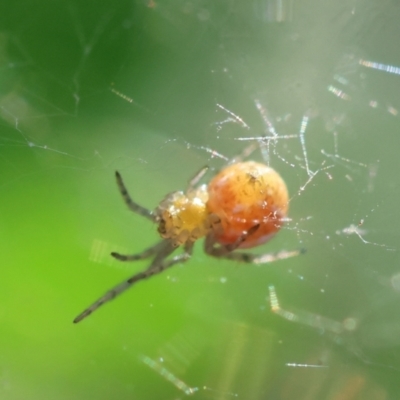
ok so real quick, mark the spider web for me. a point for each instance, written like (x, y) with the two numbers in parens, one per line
(157, 90)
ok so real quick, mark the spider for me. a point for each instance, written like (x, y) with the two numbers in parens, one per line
(243, 206)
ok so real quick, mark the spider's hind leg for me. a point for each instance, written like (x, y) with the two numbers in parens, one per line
(227, 252)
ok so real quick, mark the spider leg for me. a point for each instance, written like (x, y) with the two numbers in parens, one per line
(136, 208)
(227, 252)
(245, 153)
(196, 178)
(158, 265)
(139, 256)
(224, 250)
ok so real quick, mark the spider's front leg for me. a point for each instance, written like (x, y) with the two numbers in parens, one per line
(136, 208)
(140, 256)
(159, 264)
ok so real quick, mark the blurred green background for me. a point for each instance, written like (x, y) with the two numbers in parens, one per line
(90, 87)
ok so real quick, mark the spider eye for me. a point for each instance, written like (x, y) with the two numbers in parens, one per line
(245, 195)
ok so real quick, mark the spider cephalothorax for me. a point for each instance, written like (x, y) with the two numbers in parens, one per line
(184, 217)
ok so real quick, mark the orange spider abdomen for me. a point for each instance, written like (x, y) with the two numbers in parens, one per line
(244, 195)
